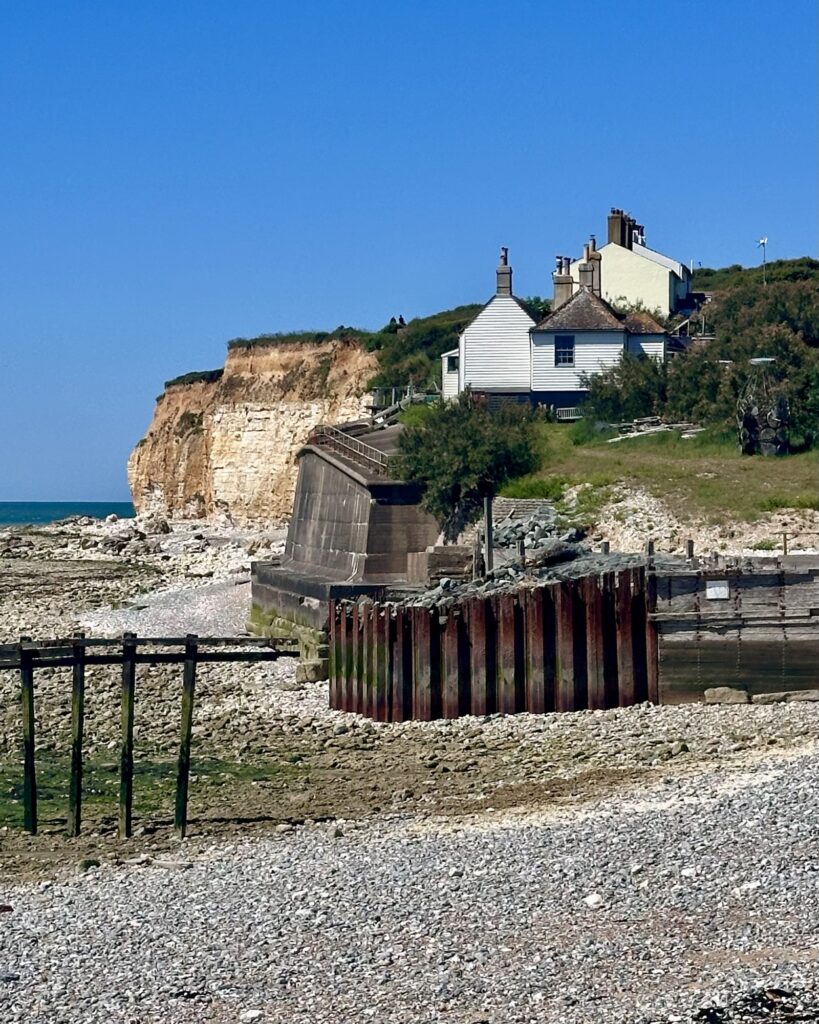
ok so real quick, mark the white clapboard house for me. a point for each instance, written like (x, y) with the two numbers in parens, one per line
(504, 354)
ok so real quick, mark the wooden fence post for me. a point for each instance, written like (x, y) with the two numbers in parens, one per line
(77, 722)
(126, 760)
(29, 772)
(184, 767)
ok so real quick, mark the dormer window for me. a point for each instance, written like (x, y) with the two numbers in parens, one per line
(564, 350)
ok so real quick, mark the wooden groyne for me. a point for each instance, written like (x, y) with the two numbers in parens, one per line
(557, 646)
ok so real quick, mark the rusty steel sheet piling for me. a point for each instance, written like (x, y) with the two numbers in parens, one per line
(563, 645)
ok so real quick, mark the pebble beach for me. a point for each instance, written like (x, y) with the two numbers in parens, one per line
(646, 864)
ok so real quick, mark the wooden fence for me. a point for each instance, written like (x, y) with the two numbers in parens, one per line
(77, 653)
(584, 643)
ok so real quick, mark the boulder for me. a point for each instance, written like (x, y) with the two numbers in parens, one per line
(726, 695)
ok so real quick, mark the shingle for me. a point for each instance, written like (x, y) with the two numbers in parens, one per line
(584, 311)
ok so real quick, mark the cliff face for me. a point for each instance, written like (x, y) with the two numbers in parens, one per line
(226, 447)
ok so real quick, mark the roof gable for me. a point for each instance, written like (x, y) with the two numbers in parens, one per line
(584, 311)
(505, 307)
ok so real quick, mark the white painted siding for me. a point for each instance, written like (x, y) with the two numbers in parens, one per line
(593, 351)
(449, 378)
(495, 348)
(650, 344)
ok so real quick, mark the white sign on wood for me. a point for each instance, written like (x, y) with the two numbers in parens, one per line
(716, 590)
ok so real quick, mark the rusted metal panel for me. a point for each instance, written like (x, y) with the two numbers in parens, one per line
(625, 652)
(534, 633)
(358, 660)
(382, 687)
(401, 708)
(510, 654)
(367, 693)
(451, 665)
(638, 633)
(563, 594)
(421, 664)
(595, 648)
(482, 657)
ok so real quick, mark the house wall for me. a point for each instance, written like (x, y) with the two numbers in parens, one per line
(449, 381)
(625, 274)
(593, 351)
(494, 348)
(648, 344)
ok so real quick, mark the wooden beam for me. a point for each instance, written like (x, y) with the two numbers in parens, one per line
(29, 770)
(77, 723)
(625, 648)
(563, 594)
(184, 763)
(595, 664)
(126, 759)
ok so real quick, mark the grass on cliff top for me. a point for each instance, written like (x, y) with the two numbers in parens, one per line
(704, 477)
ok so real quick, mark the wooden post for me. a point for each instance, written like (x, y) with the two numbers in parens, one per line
(126, 760)
(689, 550)
(652, 641)
(333, 655)
(29, 771)
(184, 766)
(522, 553)
(535, 642)
(77, 722)
(605, 547)
(489, 534)
(401, 668)
(650, 549)
(784, 543)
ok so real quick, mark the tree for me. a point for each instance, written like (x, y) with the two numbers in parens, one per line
(461, 453)
(633, 387)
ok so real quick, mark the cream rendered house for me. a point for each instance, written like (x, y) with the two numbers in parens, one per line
(633, 274)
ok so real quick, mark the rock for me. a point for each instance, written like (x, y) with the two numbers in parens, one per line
(689, 872)
(788, 696)
(87, 863)
(113, 518)
(726, 695)
(312, 671)
(594, 900)
(340, 729)
(679, 747)
(248, 1015)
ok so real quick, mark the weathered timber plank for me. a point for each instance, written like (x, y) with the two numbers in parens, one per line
(482, 657)
(508, 654)
(381, 664)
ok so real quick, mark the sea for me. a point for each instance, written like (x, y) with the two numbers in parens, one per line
(38, 513)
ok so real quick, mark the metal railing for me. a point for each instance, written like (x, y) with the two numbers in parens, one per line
(335, 440)
(573, 412)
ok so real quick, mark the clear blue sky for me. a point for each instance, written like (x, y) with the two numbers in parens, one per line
(177, 174)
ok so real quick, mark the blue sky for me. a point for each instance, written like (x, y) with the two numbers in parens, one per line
(178, 174)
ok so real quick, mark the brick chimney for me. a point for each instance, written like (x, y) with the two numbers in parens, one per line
(563, 284)
(616, 226)
(586, 275)
(504, 274)
(596, 261)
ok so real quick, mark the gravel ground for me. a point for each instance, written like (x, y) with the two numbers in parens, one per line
(638, 865)
(648, 906)
(213, 609)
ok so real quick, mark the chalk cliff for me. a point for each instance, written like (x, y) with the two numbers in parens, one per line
(225, 446)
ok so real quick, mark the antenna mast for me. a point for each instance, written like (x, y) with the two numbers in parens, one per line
(763, 243)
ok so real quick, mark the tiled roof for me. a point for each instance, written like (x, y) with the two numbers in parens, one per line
(641, 322)
(584, 311)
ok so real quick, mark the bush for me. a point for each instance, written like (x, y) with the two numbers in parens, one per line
(634, 387)
(534, 487)
(461, 453)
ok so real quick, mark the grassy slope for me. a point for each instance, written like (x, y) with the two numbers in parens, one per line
(703, 477)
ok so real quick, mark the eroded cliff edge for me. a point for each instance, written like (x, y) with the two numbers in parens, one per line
(225, 446)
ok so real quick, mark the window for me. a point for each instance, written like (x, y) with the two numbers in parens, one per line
(452, 364)
(564, 350)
